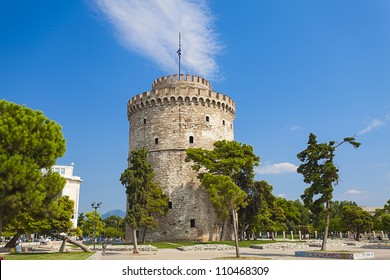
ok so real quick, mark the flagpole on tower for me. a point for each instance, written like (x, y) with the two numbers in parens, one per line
(179, 53)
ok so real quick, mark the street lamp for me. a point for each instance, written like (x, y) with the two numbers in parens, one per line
(95, 206)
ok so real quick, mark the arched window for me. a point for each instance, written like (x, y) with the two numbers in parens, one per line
(191, 139)
(207, 118)
(144, 121)
(156, 141)
(223, 122)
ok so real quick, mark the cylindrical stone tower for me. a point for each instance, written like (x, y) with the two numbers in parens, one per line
(175, 115)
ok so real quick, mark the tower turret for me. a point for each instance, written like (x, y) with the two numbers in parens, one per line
(177, 114)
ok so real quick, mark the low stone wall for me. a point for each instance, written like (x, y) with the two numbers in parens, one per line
(206, 247)
(376, 246)
(335, 255)
(330, 243)
(142, 248)
(281, 246)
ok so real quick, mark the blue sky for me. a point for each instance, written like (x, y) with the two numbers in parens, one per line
(292, 67)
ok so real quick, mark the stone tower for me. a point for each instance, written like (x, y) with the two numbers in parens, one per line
(177, 114)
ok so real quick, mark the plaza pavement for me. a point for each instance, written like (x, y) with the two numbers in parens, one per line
(274, 254)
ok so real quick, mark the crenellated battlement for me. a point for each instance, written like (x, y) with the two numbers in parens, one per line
(192, 90)
(184, 80)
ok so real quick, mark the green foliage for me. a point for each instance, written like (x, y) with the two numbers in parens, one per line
(29, 142)
(228, 158)
(226, 172)
(93, 219)
(225, 195)
(110, 232)
(57, 216)
(75, 232)
(304, 213)
(291, 212)
(137, 179)
(145, 199)
(80, 220)
(30, 134)
(336, 214)
(156, 204)
(385, 221)
(355, 219)
(262, 212)
(319, 170)
(381, 218)
(229, 172)
(116, 223)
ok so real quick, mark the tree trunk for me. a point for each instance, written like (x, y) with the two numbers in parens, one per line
(235, 228)
(135, 244)
(62, 248)
(326, 231)
(243, 231)
(144, 235)
(78, 244)
(223, 232)
(1, 226)
(12, 243)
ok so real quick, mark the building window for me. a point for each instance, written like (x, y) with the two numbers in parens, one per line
(170, 205)
(207, 118)
(62, 171)
(191, 139)
(144, 121)
(156, 141)
(192, 223)
(223, 122)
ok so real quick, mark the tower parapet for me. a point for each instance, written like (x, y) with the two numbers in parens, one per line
(188, 90)
(185, 80)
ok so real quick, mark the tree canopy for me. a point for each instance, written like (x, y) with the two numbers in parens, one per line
(29, 143)
(225, 172)
(262, 211)
(228, 158)
(319, 170)
(144, 197)
(354, 218)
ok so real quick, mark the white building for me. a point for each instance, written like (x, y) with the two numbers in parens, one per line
(72, 187)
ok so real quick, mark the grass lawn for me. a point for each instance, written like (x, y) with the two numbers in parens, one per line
(47, 256)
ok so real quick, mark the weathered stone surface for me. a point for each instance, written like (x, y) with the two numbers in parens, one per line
(335, 255)
(206, 247)
(142, 248)
(174, 116)
(281, 246)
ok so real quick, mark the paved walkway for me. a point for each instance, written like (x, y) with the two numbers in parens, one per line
(174, 254)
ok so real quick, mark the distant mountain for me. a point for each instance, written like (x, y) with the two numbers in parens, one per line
(116, 212)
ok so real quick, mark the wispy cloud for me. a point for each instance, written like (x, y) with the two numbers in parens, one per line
(276, 168)
(151, 28)
(353, 191)
(294, 127)
(375, 123)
